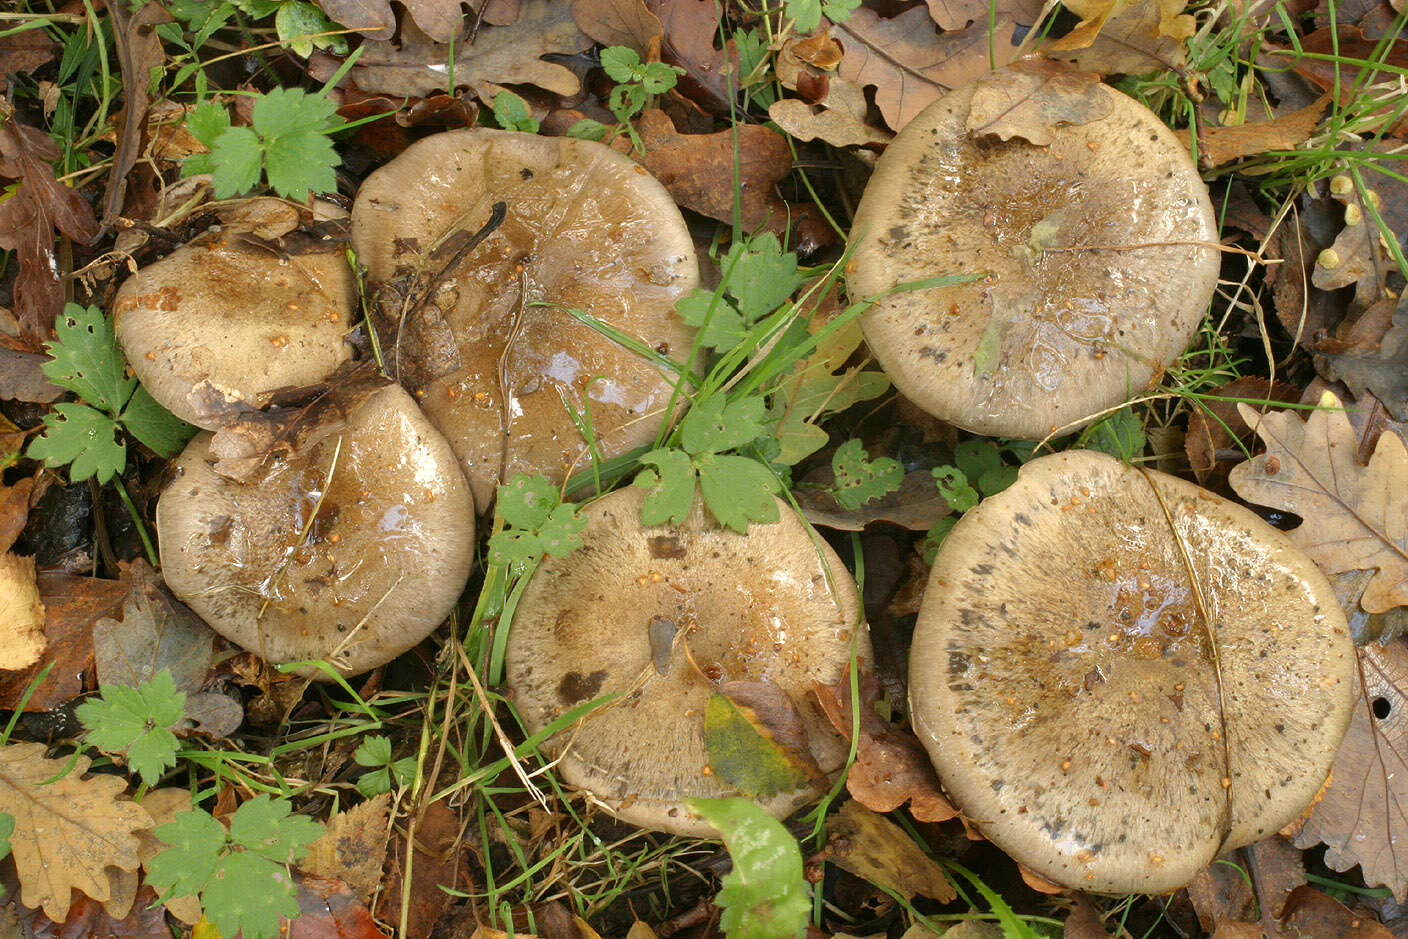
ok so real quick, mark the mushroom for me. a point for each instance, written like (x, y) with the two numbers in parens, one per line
(226, 312)
(1118, 674)
(1087, 216)
(352, 549)
(663, 616)
(492, 353)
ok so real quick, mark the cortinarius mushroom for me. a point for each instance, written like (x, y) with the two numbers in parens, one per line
(498, 362)
(352, 550)
(1119, 674)
(228, 311)
(1087, 215)
(663, 616)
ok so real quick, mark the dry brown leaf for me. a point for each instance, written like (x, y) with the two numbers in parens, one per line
(1221, 145)
(14, 506)
(68, 832)
(353, 848)
(439, 19)
(28, 219)
(1236, 929)
(71, 605)
(911, 64)
(328, 909)
(439, 860)
(1355, 517)
(156, 632)
(916, 505)
(1128, 37)
(1356, 258)
(877, 850)
(620, 23)
(1086, 922)
(891, 766)
(838, 118)
(1034, 97)
(22, 53)
(1372, 355)
(1215, 429)
(1327, 58)
(1310, 912)
(498, 56)
(1362, 818)
(21, 614)
(690, 27)
(957, 14)
(139, 50)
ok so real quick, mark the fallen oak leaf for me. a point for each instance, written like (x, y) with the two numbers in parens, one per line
(1373, 356)
(689, 28)
(328, 909)
(891, 766)
(21, 614)
(69, 828)
(1355, 517)
(156, 632)
(1362, 817)
(71, 605)
(627, 23)
(439, 19)
(911, 64)
(1032, 98)
(353, 848)
(958, 14)
(1311, 912)
(838, 118)
(1355, 257)
(139, 51)
(1132, 37)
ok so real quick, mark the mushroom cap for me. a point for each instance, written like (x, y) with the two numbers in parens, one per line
(294, 567)
(770, 605)
(1049, 337)
(586, 228)
(1065, 685)
(225, 310)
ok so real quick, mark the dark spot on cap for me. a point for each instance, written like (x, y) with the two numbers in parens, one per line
(666, 546)
(576, 687)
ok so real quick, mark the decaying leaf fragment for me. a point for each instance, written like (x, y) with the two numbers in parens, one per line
(1355, 517)
(1126, 37)
(1222, 145)
(1362, 818)
(891, 767)
(21, 613)
(876, 849)
(68, 831)
(1030, 100)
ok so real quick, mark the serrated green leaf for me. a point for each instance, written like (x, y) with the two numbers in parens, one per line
(669, 487)
(719, 323)
(761, 276)
(954, 487)
(195, 841)
(373, 751)
(136, 722)
(297, 19)
(765, 895)
(717, 425)
(267, 827)
(976, 457)
(207, 121)
(658, 77)
(527, 501)
(163, 432)
(86, 359)
(996, 479)
(285, 111)
(738, 490)
(514, 547)
(7, 828)
(1120, 434)
(621, 63)
(87, 439)
(374, 783)
(559, 534)
(838, 11)
(301, 163)
(238, 158)
(860, 479)
(248, 894)
(744, 757)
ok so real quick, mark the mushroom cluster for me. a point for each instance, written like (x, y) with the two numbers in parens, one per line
(352, 549)
(489, 347)
(226, 313)
(662, 617)
(1119, 674)
(1090, 222)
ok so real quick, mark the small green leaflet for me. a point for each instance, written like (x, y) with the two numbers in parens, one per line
(806, 14)
(860, 479)
(7, 828)
(137, 722)
(87, 361)
(981, 461)
(536, 523)
(759, 277)
(287, 141)
(1119, 434)
(737, 489)
(742, 756)
(954, 487)
(375, 753)
(242, 877)
(637, 82)
(765, 895)
(511, 113)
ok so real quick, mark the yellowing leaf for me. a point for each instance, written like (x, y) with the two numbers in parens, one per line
(67, 832)
(21, 613)
(1128, 37)
(874, 848)
(1355, 517)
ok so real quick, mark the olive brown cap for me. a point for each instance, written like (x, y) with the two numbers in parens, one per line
(353, 549)
(1098, 244)
(228, 311)
(1107, 720)
(585, 228)
(663, 616)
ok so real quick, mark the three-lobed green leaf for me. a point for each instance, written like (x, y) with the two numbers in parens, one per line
(536, 523)
(860, 479)
(765, 896)
(287, 141)
(241, 875)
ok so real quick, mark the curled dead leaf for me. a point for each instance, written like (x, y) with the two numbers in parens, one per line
(1031, 98)
(877, 850)
(1222, 145)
